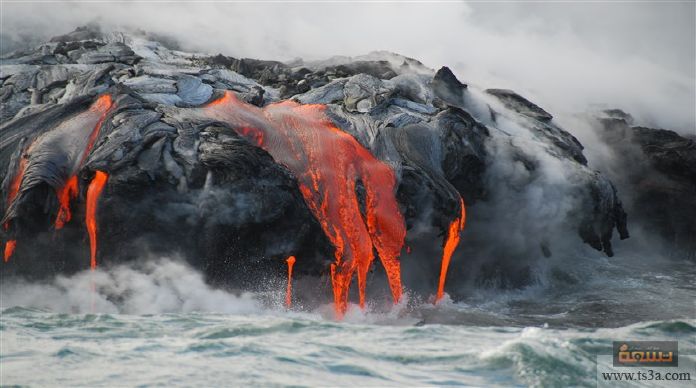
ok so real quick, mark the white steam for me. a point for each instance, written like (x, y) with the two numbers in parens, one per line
(156, 286)
(640, 57)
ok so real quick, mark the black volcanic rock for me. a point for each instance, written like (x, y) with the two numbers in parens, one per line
(447, 87)
(91, 32)
(670, 153)
(520, 104)
(657, 180)
(179, 184)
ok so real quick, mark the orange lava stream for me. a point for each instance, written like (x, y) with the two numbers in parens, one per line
(15, 184)
(103, 105)
(65, 194)
(9, 249)
(93, 192)
(288, 292)
(69, 190)
(451, 242)
(328, 163)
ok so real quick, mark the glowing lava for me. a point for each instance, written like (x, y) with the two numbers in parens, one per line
(15, 183)
(65, 194)
(9, 249)
(328, 164)
(451, 242)
(93, 192)
(69, 190)
(288, 292)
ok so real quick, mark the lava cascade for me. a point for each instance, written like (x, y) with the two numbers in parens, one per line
(10, 246)
(288, 293)
(328, 164)
(15, 183)
(451, 242)
(66, 193)
(94, 117)
(69, 190)
(93, 192)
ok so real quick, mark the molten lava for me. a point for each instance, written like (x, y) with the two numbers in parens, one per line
(9, 249)
(15, 183)
(288, 292)
(69, 190)
(93, 192)
(90, 120)
(451, 242)
(102, 106)
(65, 194)
(328, 164)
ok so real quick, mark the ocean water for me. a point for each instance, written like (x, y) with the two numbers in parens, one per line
(161, 325)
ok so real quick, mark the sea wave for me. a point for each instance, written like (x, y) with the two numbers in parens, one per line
(300, 350)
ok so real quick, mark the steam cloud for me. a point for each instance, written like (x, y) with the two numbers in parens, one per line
(155, 286)
(635, 56)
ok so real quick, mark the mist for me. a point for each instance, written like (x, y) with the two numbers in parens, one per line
(565, 56)
(163, 285)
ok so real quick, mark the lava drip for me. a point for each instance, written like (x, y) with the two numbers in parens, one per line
(93, 192)
(328, 164)
(451, 242)
(288, 292)
(65, 194)
(69, 190)
(10, 246)
(15, 184)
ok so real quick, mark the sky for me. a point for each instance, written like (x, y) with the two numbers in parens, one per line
(564, 56)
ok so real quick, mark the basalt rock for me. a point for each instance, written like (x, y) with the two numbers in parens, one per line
(658, 178)
(181, 184)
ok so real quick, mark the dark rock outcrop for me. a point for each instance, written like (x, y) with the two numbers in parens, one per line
(657, 178)
(178, 184)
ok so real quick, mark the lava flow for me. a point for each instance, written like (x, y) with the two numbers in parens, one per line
(451, 242)
(64, 148)
(16, 182)
(9, 249)
(328, 164)
(65, 194)
(69, 190)
(288, 293)
(93, 192)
